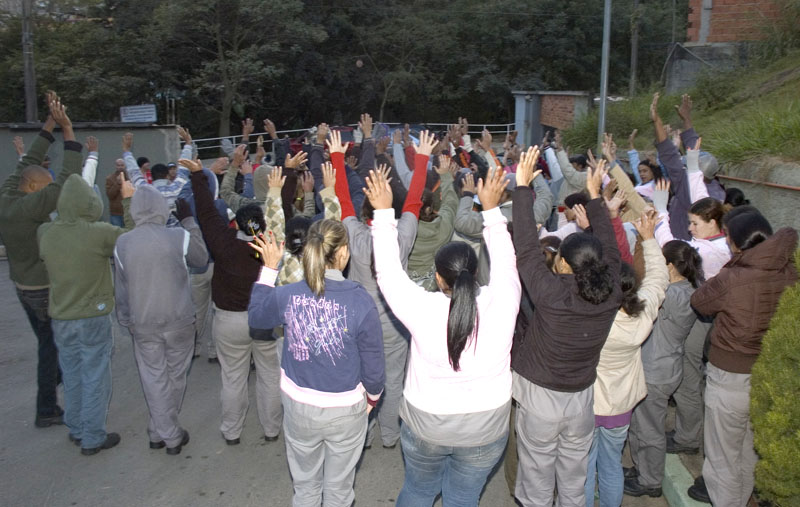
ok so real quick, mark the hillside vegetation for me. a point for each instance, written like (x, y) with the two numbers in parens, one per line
(741, 114)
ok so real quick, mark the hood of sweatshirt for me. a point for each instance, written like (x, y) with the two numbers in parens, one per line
(78, 201)
(148, 206)
(260, 183)
(772, 254)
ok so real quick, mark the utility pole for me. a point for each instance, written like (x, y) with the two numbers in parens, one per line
(601, 118)
(634, 48)
(31, 110)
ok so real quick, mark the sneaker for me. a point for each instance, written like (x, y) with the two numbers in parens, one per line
(157, 445)
(674, 447)
(173, 451)
(45, 421)
(633, 488)
(271, 439)
(232, 441)
(698, 491)
(112, 439)
(213, 360)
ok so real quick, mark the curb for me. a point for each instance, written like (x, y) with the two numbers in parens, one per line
(677, 481)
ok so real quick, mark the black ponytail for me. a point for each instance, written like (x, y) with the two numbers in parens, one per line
(584, 254)
(686, 261)
(457, 264)
(629, 283)
(748, 230)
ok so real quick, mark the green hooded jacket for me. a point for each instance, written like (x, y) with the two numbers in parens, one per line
(76, 249)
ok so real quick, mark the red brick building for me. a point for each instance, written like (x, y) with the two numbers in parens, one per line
(729, 20)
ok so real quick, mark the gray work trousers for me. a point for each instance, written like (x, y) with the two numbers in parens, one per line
(203, 313)
(323, 446)
(689, 396)
(163, 360)
(648, 442)
(730, 461)
(554, 435)
(234, 348)
(395, 352)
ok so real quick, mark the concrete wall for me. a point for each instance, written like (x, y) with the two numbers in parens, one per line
(729, 20)
(158, 143)
(687, 61)
(536, 109)
(779, 206)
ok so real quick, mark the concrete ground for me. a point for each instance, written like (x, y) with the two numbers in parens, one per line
(40, 467)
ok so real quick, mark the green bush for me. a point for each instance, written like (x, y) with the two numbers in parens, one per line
(775, 403)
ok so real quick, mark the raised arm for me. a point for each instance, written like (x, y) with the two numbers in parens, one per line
(337, 150)
(413, 201)
(89, 171)
(214, 227)
(600, 220)
(636, 204)
(366, 160)
(671, 160)
(656, 277)
(194, 248)
(131, 167)
(400, 160)
(543, 205)
(468, 221)
(697, 186)
(227, 189)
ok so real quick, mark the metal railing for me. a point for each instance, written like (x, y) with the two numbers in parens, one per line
(211, 146)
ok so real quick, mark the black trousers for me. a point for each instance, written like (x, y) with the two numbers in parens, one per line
(35, 303)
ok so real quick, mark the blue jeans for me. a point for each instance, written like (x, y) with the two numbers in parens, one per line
(84, 352)
(35, 304)
(116, 220)
(459, 473)
(605, 456)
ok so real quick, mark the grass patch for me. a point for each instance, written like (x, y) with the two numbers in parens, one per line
(741, 114)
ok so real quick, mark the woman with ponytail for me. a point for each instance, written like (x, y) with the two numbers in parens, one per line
(743, 298)
(620, 382)
(554, 364)
(662, 358)
(332, 367)
(457, 394)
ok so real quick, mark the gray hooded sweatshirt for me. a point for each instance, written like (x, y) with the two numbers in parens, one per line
(151, 267)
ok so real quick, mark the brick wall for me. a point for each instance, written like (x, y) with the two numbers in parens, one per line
(557, 111)
(732, 20)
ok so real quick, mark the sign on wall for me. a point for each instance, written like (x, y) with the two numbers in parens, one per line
(144, 113)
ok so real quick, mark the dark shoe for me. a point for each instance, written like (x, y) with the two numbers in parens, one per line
(45, 421)
(74, 440)
(674, 447)
(112, 439)
(271, 439)
(698, 491)
(630, 473)
(213, 360)
(157, 445)
(232, 441)
(390, 446)
(633, 488)
(173, 451)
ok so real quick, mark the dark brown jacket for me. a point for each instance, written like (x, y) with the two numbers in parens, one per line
(743, 298)
(561, 347)
(114, 194)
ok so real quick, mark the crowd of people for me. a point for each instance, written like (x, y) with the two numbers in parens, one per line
(472, 305)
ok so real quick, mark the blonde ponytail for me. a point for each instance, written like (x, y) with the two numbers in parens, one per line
(322, 242)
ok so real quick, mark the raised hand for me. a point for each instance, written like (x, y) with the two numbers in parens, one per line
(527, 162)
(352, 161)
(581, 218)
(380, 146)
(127, 142)
(366, 125)
(296, 161)
(385, 170)
(92, 144)
(615, 203)
(594, 180)
(685, 111)
(328, 175)
(194, 166)
(464, 126)
(455, 133)
(407, 135)
(322, 133)
(378, 191)
(247, 128)
(426, 143)
(239, 155)
(246, 167)
(184, 135)
(182, 209)
(610, 189)
(632, 138)
(59, 113)
(270, 129)
(557, 140)
(335, 142)
(444, 165)
(486, 139)
(490, 192)
(126, 189)
(654, 107)
(260, 151)
(219, 166)
(609, 148)
(468, 184)
(306, 182)
(267, 249)
(19, 145)
(646, 225)
(590, 160)
(661, 196)
(276, 179)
